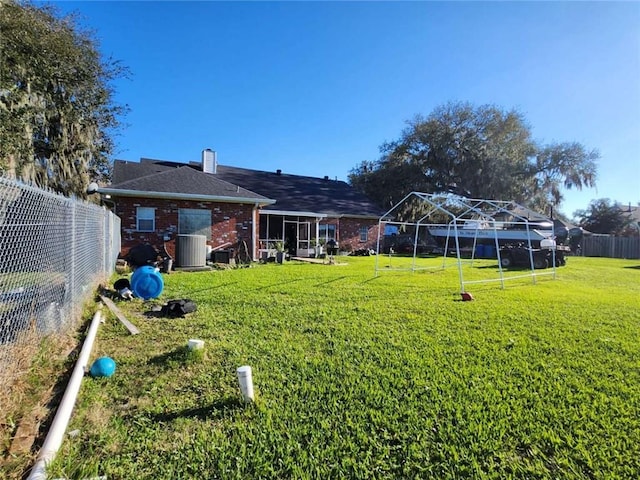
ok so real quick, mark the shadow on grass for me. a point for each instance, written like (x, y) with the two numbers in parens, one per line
(515, 268)
(401, 271)
(213, 287)
(256, 288)
(279, 284)
(493, 267)
(331, 281)
(635, 267)
(180, 356)
(215, 411)
(372, 279)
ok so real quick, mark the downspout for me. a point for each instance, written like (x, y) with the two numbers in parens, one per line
(254, 238)
(56, 432)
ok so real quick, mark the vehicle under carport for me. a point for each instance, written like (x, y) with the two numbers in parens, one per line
(523, 256)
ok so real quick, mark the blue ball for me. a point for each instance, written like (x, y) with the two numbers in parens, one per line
(103, 367)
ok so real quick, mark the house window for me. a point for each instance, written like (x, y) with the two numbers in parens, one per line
(194, 222)
(326, 231)
(145, 219)
(364, 234)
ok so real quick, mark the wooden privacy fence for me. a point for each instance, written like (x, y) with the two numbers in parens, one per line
(610, 246)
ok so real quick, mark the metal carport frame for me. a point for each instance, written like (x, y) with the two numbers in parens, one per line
(463, 213)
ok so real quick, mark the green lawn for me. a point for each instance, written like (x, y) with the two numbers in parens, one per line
(359, 376)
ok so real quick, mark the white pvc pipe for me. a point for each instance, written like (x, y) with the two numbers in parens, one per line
(59, 425)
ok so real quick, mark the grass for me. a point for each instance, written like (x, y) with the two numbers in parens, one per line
(39, 365)
(359, 376)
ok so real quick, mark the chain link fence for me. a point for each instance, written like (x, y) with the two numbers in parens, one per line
(53, 252)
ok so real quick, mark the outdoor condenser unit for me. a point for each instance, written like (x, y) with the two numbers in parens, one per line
(191, 251)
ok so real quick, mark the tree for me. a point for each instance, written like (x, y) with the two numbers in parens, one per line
(479, 152)
(604, 216)
(568, 165)
(58, 116)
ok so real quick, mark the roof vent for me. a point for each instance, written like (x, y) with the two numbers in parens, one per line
(326, 177)
(278, 172)
(209, 161)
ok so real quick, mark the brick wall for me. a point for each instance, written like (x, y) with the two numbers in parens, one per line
(230, 222)
(349, 233)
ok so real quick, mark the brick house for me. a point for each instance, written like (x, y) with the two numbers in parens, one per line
(159, 200)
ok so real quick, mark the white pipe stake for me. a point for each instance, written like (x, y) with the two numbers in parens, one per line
(195, 344)
(245, 379)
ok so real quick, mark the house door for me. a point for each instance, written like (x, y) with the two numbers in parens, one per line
(304, 230)
(296, 237)
(291, 237)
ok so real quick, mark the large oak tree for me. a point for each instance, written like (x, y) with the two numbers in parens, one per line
(480, 152)
(58, 116)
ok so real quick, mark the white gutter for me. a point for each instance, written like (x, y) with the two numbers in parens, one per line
(293, 213)
(56, 432)
(363, 217)
(319, 216)
(185, 196)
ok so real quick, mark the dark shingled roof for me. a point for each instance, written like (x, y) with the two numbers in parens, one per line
(185, 180)
(294, 193)
(124, 171)
(299, 193)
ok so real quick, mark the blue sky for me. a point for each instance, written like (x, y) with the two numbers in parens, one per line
(314, 88)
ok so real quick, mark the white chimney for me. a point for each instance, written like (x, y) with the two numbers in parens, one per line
(209, 161)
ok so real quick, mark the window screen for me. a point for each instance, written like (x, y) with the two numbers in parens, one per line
(194, 222)
(364, 234)
(145, 219)
(327, 231)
